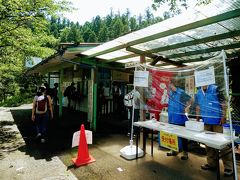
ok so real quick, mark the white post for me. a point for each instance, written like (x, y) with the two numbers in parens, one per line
(133, 107)
(229, 113)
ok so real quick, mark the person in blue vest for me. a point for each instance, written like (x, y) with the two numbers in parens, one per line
(178, 105)
(210, 105)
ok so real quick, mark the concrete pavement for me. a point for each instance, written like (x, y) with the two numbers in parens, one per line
(15, 163)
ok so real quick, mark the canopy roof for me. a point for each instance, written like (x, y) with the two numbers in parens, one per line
(57, 61)
(190, 37)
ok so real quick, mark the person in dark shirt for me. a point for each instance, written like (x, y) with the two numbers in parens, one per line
(69, 91)
(55, 95)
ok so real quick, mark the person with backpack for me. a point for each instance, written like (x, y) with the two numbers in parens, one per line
(42, 104)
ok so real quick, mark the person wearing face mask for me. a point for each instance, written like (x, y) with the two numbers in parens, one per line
(210, 105)
(179, 104)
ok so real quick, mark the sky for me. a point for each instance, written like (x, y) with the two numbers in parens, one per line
(87, 9)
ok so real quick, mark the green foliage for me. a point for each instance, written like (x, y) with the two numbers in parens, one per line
(96, 25)
(100, 29)
(103, 34)
(34, 29)
(17, 100)
(118, 27)
(133, 24)
(176, 5)
(24, 33)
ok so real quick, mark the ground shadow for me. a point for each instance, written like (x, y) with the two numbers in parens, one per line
(59, 135)
(112, 124)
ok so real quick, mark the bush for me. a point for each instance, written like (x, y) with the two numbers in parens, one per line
(17, 100)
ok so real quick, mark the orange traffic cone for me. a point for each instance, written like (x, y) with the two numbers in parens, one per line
(83, 157)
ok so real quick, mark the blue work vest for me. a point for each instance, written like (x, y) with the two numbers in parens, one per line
(210, 107)
(176, 113)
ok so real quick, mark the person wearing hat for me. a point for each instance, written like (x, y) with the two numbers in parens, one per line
(42, 105)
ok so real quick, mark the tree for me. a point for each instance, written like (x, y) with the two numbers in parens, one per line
(23, 23)
(64, 33)
(64, 22)
(108, 20)
(54, 30)
(74, 35)
(89, 35)
(103, 34)
(133, 24)
(118, 27)
(92, 37)
(96, 24)
(175, 5)
(148, 16)
(24, 33)
(140, 19)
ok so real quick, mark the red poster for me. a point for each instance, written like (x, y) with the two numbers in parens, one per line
(159, 91)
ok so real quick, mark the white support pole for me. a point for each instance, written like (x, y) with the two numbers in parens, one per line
(131, 152)
(229, 113)
(133, 107)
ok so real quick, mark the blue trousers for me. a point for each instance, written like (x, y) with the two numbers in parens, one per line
(41, 123)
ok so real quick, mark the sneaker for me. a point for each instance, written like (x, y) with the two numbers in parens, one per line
(43, 140)
(184, 156)
(128, 134)
(172, 153)
(207, 167)
(228, 172)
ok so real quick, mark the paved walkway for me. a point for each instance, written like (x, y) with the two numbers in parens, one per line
(15, 163)
(22, 157)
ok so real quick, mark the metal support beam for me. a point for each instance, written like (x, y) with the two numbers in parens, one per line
(186, 61)
(94, 62)
(202, 51)
(197, 41)
(77, 63)
(121, 58)
(153, 56)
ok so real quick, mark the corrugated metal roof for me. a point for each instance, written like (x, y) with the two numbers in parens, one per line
(194, 35)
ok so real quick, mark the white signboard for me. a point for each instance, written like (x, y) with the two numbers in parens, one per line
(132, 64)
(205, 77)
(76, 136)
(141, 78)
